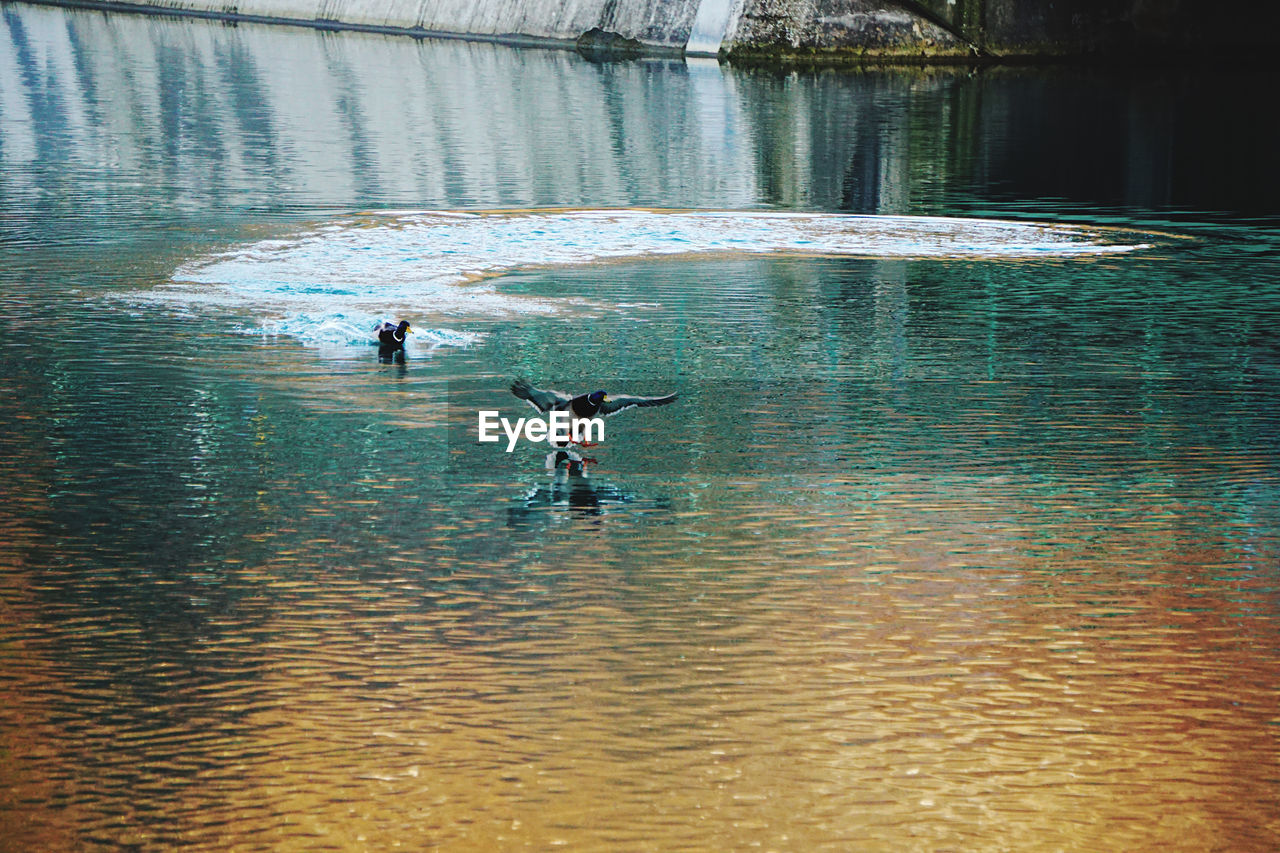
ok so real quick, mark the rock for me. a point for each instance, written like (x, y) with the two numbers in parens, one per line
(600, 45)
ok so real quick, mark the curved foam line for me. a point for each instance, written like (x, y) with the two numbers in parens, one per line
(415, 262)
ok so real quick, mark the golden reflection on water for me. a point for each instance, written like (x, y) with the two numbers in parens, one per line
(949, 666)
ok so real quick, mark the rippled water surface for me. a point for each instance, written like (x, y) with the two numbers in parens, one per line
(962, 535)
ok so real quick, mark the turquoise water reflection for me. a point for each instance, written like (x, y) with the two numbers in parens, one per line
(935, 552)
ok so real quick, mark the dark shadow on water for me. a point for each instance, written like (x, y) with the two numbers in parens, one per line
(572, 491)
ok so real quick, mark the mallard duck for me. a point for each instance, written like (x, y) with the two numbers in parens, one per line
(391, 337)
(582, 406)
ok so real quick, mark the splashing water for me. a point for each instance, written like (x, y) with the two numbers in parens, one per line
(353, 329)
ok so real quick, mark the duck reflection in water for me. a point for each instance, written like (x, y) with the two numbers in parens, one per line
(573, 490)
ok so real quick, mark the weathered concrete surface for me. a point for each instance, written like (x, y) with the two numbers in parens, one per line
(657, 24)
(813, 30)
(859, 28)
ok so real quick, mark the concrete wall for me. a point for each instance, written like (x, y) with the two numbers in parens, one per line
(874, 26)
(885, 30)
(658, 24)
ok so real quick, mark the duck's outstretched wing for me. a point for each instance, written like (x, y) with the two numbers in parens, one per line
(543, 401)
(613, 404)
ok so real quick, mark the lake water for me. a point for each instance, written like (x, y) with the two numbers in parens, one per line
(962, 535)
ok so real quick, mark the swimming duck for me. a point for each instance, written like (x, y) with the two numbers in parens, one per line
(391, 337)
(583, 406)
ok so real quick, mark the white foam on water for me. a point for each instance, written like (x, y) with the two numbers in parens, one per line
(357, 329)
(434, 264)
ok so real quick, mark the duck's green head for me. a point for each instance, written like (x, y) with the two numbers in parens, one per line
(597, 398)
